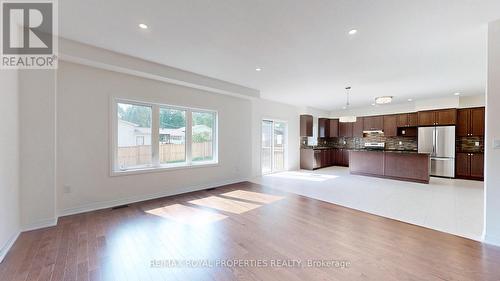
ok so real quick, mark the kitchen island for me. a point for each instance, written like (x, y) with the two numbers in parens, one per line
(398, 165)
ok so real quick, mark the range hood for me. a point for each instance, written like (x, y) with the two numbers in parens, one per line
(373, 132)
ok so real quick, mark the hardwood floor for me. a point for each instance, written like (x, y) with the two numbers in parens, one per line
(241, 223)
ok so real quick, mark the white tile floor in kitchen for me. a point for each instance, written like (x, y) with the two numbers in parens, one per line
(448, 205)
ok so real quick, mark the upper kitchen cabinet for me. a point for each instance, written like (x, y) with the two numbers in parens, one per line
(373, 123)
(427, 118)
(391, 125)
(407, 120)
(470, 122)
(357, 127)
(442, 117)
(306, 125)
(323, 127)
(334, 128)
(345, 129)
(446, 117)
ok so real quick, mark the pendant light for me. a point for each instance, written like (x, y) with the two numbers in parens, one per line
(347, 119)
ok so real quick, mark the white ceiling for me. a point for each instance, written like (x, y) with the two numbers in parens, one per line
(405, 48)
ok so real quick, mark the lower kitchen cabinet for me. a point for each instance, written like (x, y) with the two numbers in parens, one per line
(469, 166)
(312, 159)
(342, 157)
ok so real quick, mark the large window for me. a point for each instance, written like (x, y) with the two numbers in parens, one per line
(203, 136)
(154, 136)
(172, 135)
(134, 124)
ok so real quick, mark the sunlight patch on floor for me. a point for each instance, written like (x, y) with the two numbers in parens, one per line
(224, 204)
(307, 176)
(186, 215)
(253, 196)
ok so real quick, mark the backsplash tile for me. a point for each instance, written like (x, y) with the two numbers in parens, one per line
(468, 144)
(391, 143)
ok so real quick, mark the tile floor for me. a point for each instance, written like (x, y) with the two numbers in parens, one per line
(448, 205)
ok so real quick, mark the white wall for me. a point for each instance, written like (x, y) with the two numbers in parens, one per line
(492, 175)
(9, 160)
(37, 148)
(264, 109)
(83, 131)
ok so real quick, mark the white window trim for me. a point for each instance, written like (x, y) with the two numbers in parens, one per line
(155, 137)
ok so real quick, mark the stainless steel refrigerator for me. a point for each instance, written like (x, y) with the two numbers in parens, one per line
(440, 143)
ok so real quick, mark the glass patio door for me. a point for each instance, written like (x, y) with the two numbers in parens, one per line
(273, 146)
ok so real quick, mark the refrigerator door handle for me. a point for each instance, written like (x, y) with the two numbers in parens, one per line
(434, 138)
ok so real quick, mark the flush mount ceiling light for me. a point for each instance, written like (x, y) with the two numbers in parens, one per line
(258, 69)
(410, 99)
(383, 100)
(347, 119)
(457, 94)
(353, 31)
(143, 26)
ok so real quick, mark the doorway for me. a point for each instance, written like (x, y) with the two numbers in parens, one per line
(273, 146)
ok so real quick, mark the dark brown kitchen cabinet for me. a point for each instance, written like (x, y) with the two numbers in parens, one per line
(345, 129)
(334, 128)
(477, 165)
(462, 169)
(427, 118)
(443, 117)
(469, 166)
(407, 120)
(323, 127)
(345, 157)
(373, 123)
(470, 122)
(446, 117)
(412, 119)
(357, 128)
(312, 159)
(306, 125)
(342, 157)
(391, 125)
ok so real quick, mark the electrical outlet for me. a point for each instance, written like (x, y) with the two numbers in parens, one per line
(67, 189)
(496, 143)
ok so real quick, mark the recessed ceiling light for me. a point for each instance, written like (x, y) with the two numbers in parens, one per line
(143, 26)
(373, 104)
(457, 94)
(353, 31)
(410, 99)
(258, 69)
(344, 107)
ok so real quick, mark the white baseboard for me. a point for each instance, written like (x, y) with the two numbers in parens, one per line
(139, 198)
(40, 224)
(492, 240)
(5, 249)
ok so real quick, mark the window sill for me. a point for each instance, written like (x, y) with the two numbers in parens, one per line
(164, 168)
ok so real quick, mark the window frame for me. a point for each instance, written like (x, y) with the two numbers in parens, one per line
(156, 166)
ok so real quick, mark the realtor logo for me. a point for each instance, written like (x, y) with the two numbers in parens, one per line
(28, 35)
